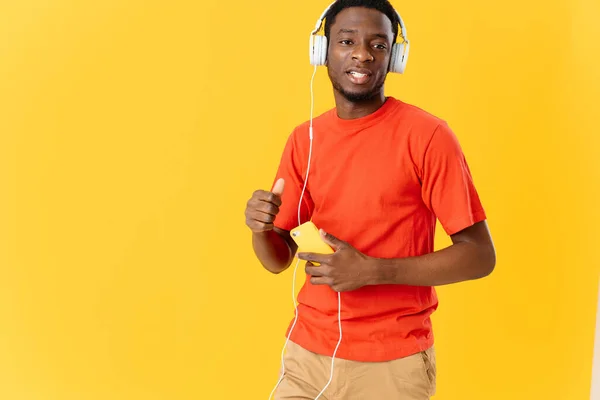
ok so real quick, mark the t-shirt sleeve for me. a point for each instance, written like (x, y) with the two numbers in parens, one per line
(447, 185)
(292, 168)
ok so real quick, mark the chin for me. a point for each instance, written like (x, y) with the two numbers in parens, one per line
(359, 96)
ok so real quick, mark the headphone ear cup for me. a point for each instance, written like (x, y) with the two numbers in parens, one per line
(399, 57)
(318, 49)
(312, 50)
(393, 57)
(405, 57)
(323, 50)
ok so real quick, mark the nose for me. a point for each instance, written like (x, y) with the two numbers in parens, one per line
(362, 53)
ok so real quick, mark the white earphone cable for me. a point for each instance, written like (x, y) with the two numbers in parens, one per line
(310, 130)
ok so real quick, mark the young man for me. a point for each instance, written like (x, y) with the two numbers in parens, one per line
(381, 172)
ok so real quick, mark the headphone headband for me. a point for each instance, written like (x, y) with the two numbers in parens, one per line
(322, 17)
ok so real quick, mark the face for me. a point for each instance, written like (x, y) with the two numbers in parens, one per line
(360, 45)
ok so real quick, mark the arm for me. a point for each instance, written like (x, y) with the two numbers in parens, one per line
(275, 249)
(449, 192)
(270, 215)
(471, 256)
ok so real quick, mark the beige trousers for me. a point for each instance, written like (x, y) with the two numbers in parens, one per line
(307, 373)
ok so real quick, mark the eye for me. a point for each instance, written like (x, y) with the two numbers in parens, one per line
(346, 42)
(381, 46)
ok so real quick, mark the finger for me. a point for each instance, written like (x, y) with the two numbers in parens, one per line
(314, 257)
(279, 186)
(331, 240)
(260, 216)
(272, 198)
(267, 208)
(259, 222)
(264, 196)
(320, 280)
(314, 270)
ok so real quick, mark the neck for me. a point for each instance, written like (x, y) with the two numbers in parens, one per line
(347, 109)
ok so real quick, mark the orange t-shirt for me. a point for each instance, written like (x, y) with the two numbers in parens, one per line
(377, 182)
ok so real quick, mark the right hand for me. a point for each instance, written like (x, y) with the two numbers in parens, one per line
(263, 207)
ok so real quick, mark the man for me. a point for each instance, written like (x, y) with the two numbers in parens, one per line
(381, 172)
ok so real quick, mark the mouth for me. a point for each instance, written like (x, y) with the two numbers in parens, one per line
(359, 76)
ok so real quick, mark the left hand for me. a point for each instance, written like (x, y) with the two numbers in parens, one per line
(346, 269)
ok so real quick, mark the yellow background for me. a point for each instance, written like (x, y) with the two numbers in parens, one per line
(133, 132)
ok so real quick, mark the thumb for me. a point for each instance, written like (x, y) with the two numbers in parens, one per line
(278, 188)
(331, 240)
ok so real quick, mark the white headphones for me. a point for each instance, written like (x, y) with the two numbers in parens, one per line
(318, 46)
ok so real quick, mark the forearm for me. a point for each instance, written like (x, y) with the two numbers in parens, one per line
(459, 262)
(272, 250)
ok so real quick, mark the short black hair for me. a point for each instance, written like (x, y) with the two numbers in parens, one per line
(383, 6)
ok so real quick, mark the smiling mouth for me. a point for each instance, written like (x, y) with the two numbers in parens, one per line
(358, 78)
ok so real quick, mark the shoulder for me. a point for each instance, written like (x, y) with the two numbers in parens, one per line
(417, 118)
(418, 125)
(427, 134)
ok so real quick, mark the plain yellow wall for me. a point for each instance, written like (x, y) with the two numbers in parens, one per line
(133, 132)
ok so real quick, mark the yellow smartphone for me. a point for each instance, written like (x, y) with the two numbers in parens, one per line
(309, 240)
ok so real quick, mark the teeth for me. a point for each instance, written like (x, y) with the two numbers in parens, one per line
(358, 75)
